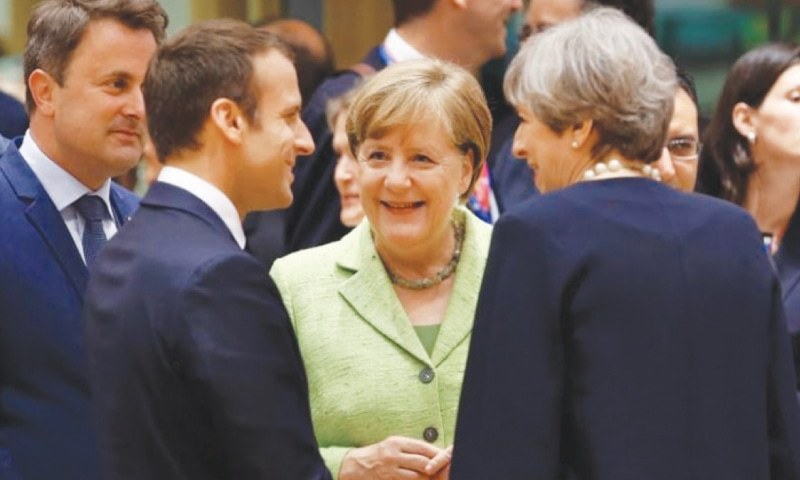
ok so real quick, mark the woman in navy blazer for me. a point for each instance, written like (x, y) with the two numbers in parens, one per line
(752, 158)
(624, 330)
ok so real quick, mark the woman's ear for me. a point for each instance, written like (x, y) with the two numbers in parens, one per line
(745, 119)
(579, 133)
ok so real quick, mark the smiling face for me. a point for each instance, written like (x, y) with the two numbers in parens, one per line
(410, 181)
(97, 116)
(549, 154)
(344, 176)
(274, 138)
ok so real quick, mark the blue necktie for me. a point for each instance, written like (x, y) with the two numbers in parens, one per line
(93, 210)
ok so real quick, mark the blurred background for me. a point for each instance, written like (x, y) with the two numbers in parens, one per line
(703, 36)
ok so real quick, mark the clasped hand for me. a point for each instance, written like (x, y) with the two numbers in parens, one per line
(397, 458)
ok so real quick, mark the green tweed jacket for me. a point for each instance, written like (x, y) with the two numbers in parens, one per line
(369, 375)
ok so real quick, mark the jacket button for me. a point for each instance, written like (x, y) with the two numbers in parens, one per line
(430, 434)
(426, 375)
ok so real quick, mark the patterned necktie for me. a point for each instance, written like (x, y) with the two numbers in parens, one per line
(93, 210)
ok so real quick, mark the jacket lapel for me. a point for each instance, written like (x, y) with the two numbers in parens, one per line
(44, 217)
(458, 320)
(369, 292)
(787, 259)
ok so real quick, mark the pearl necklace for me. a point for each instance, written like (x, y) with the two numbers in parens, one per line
(438, 277)
(614, 166)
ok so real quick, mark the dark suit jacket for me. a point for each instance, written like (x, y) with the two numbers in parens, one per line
(313, 218)
(194, 366)
(45, 423)
(13, 118)
(627, 331)
(787, 262)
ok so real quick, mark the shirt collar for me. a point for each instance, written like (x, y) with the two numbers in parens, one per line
(398, 49)
(62, 188)
(208, 194)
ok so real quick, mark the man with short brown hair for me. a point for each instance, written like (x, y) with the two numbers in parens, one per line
(85, 61)
(195, 370)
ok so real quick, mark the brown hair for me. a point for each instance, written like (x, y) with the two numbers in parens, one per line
(204, 62)
(56, 27)
(415, 91)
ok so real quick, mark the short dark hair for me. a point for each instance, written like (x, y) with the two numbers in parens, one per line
(405, 10)
(686, 83)
(726, 161)
(204, 62)
(640, 11)
(56, 27)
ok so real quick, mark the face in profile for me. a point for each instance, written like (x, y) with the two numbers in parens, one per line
(410, 180)
(776, 122)
(98, 113)
(678, 162)
(548, 153)
(344, 176)
(274, 138)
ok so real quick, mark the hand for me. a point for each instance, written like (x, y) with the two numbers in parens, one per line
(439, 466)
(395, 458)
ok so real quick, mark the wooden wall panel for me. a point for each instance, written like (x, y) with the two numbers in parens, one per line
(354, 26)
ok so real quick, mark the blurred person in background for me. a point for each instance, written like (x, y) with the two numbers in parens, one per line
(383, 316)
(346, 172)
(616, 337)
(678, 162)
(751, 157)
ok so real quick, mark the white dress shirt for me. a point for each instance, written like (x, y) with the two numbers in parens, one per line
(64, 189)
(397, 49)
(208, 194)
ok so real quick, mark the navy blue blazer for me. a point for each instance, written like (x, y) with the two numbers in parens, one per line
(195, 369)
(628, 331)
(787, 263)
(45, 423)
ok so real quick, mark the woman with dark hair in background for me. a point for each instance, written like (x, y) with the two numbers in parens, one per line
(751, 157)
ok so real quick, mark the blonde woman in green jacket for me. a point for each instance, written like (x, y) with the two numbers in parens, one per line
(383, 316)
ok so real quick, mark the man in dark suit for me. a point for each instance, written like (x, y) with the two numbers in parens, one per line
(194, 366)
(84, 64)
(466, 33)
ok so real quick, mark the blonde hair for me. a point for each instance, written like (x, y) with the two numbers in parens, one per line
(419, 91)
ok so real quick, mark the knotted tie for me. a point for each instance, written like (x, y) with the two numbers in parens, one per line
(93, 210)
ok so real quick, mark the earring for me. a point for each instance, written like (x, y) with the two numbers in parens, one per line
(751, 136)
(574, 145)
